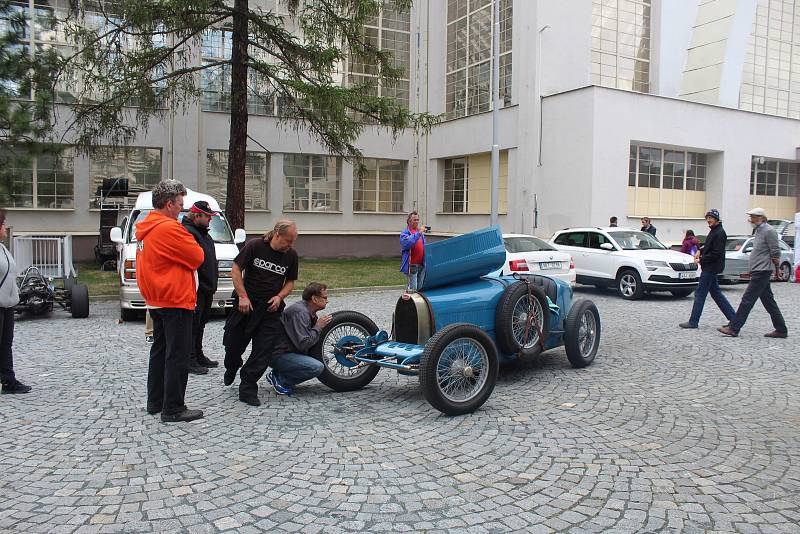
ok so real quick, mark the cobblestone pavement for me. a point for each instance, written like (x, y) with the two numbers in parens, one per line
(669, 431)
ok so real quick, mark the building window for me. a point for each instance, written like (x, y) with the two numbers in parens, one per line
(774, 186)
(467, 184)
(45, 181)
(255, 178)
(140, 166)
(771, 73)
(621, 44)
(216, 46)
(380, 187)
(666, 182)
(311, 183)
(390, 31)
(469, 56)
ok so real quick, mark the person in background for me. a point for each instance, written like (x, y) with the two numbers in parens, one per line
(197, 223)
(166, 258)
(648, 227)
(764, 259)
(691, 244)
(711, 258)
(612, 222)
(263, 275)
(412, 249)
(303, 327)
(9, 297)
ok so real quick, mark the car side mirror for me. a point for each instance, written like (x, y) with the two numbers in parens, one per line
(607, 246)
(116, 235)
(747, 250)
(239, 236)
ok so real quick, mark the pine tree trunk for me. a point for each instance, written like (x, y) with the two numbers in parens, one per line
(234, 206)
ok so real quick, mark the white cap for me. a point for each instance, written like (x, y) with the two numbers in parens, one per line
(759, 212)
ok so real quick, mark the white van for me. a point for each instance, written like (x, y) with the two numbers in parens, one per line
(131, 302)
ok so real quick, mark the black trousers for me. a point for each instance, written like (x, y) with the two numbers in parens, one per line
(169, 359)
(202, 311)
(758, 288)
(268, 338)
(6, 341)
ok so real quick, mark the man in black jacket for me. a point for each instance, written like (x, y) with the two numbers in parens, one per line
(711, 258)
(197, 222)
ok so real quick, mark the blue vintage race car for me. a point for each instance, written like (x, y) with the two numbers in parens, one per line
(464, 322)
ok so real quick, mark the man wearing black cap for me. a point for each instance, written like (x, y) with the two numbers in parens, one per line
(197, 222)
(711, 258)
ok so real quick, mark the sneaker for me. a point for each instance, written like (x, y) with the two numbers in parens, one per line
(230, 376)
(205, 362)
(195, 369)
(280, 389)
(15, 388)
(182, 417)
(251, 400)
(726, 330)
(776, 334)
(149, 339)
(687, 325)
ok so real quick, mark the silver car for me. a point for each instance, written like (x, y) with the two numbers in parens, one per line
(737, 260)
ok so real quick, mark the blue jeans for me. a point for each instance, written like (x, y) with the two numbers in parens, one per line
(293, 368)
(759, 288)
(709, 284)
(416, 274)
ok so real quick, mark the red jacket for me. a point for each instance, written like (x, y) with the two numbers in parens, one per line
(166, 258)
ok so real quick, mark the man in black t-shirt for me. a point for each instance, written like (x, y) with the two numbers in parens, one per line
(263, 275)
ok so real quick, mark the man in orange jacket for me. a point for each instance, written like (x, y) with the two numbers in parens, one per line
(166, 258)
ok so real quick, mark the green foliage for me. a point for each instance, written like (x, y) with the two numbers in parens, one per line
(146, 52)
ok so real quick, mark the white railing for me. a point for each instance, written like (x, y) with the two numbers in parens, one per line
(52, 255)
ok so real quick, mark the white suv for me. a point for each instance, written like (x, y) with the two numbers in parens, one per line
(629, 260)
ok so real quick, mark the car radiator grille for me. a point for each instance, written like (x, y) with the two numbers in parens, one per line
(684, 266)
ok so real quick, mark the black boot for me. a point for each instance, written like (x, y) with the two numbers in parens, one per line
(14, 388)
(205, 362)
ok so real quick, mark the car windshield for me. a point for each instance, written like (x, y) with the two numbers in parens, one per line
(735, 243)
(526, 244)
(779, 224)
(219, 230)
(636, 240)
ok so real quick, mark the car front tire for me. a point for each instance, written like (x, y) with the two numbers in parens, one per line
(629, 285)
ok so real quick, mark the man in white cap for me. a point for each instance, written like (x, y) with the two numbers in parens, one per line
(764, 258)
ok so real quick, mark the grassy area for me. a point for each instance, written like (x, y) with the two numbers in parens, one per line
(335, 273)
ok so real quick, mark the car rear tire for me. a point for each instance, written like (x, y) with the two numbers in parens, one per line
(785, 272)
(582, 333)
(458, 369)
(629, 285)
(681, 293)
(335, 375)
(511, 320)
(79, 301)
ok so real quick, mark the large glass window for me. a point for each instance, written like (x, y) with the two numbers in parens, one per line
(255, 178)
(621, 44)
(311, 183)
(771, 73)
(45, 181)
(140, 166)
(469, 56)
(467, 184)
(774, 178)
(380, 187)
(390, 31)
(666, 182)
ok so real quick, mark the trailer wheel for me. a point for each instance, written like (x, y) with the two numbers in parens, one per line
(582, 333)
(347, 327)
(79, 301)
(514, 334)
(458, 369)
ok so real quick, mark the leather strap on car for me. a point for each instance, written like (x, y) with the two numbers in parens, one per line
(531, 318)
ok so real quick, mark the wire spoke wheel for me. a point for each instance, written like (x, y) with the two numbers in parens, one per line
(329, 347)
(587, 332)
(582, 333)
(527, 334)
(354, 326)
(462, 370)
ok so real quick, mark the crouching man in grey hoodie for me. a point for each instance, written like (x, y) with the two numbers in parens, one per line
(303, 328)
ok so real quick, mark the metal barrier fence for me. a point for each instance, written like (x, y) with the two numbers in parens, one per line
(52, 255)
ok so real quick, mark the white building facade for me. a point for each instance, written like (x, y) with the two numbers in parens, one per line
(624, 108)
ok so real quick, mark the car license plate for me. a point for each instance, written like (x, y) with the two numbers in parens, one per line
(690, 274)
(549, 265)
